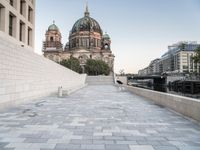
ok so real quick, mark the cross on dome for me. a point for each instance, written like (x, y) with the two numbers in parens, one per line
(87, 14)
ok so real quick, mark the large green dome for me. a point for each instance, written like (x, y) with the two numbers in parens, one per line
(86, 24)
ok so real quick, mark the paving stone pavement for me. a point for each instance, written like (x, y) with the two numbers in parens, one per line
(97, 117)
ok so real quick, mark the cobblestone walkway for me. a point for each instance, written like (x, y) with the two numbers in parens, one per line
(96, 118)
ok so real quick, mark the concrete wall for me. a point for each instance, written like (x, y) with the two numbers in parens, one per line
(25, 75)
(187, 106)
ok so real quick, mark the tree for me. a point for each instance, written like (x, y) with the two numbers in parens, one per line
(72, 63)
(197, 56)
(121, 72)
(96, 67)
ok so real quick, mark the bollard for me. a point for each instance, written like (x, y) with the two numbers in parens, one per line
(60, 92)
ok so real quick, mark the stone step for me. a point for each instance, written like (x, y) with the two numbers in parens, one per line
(103, 80)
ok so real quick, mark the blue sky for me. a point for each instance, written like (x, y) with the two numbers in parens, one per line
(140, 30)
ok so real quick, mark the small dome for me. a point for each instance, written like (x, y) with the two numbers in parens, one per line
(106, 36)
(53, 27)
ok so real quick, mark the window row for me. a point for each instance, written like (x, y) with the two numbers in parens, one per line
(13, 27)
(22, 30)
(85, 42)
(23, 6)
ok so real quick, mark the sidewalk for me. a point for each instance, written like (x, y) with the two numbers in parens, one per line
(98, 117)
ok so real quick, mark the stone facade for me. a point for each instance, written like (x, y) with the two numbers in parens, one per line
(86, 41)
(17, 21)
(25, 75)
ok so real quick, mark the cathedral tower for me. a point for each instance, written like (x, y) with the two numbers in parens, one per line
(53, 39)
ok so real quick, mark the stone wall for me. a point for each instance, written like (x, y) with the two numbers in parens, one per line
(25, 75)
(187, 106)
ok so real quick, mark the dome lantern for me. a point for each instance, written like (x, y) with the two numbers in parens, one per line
(87, 13)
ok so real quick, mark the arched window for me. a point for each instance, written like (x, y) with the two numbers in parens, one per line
(106, 46)
(51, 39)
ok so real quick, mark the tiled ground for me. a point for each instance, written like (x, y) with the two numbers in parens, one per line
(96, 118)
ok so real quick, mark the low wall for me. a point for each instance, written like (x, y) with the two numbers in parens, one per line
(187, 106)
(25, 75)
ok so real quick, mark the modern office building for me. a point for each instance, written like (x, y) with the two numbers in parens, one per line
(182, 58)
(178, 59)
(17, 22)
(153, 67)
(143, 72)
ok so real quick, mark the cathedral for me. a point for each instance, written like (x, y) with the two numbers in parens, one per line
(86, 41)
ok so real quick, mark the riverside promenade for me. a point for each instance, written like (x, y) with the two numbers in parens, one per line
(97, 117)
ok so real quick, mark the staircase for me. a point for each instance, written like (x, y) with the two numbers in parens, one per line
(102, 80)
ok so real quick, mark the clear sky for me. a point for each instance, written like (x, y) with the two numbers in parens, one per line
(140, 30)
